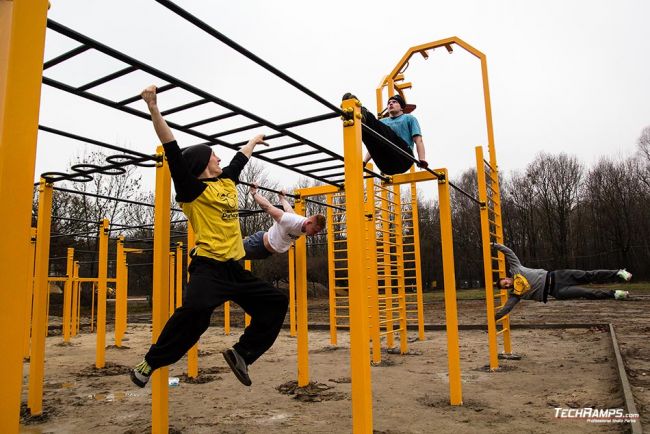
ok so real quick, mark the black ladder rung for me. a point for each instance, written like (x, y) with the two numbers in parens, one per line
(189, 105)
(308, 163)
(210, 119)
(106, 78)
(239, 130)
(159, 90)
(65, 56)
(302, 154)
(278, 148)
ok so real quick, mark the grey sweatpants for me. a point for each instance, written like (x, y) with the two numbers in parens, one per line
(566, 284)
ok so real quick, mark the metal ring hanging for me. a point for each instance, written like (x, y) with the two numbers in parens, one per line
(123, 158)
(76, 177)
(105, 170)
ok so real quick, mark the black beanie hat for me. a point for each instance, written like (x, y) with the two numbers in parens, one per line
(399, 99)
(197, 158)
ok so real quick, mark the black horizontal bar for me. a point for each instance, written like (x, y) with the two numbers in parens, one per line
(307, 163)
(237, 130)
(94, 142)
(180, 108)
(109, 77)
(322, 169)
(65, 56)
(302, 154)
(208, 120)
(135, 98)
(101, 196)
(276, 148)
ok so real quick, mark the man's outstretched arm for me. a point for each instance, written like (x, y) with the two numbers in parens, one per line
(285, 203)
(505, 310)
(264, 203)
(163, 131)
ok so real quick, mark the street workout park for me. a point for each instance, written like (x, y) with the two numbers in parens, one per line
(373, 354)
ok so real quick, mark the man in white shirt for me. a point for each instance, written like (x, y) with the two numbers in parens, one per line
(287, 227)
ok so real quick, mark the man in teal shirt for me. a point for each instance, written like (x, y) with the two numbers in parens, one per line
(402, 129)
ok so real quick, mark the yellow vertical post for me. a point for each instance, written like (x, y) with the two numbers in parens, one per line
(449, 277)
(371, 249)
(487, 259)
(41, 288)
(399, 257)
(359, 355)
(247, 317)
(92, 306)
(387, 265)
(179, 274)
(301, 303)
(75, 300)
(29, 294)
(67, 295)
(159, 379)
(193, 353)
(102, 280)
(292, 290)
(22, 40)
(331, 267)
(120, 292)
(172, 268)
(415, 216)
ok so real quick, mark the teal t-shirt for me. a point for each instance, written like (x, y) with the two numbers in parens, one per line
(405, 125)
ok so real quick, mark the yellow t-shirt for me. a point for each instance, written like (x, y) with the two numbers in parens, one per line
(214, 217)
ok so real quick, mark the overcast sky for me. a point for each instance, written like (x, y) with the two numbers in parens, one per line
(565, 76)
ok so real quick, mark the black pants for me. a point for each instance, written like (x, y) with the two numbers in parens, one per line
(211, 284)
(388, 160)
(566, 284)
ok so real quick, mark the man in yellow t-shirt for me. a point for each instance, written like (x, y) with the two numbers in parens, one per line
(208, 196)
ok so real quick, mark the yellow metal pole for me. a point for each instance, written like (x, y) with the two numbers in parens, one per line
(451, 310)
(301, 304)
(172, 268)
(487, 259)
(193, 353)
(179, 274)
(359, 355)
(29, 294)
(292, 290)
(75, 300)
(22, 40)
(67, 295)
(92, 306)
(120, 292)
(415, 215)
(387, 265)
(102, 276)
(247, 318)
(159, 379)
(399, 257)
(371, 249)
(331, 267)
(41, 288)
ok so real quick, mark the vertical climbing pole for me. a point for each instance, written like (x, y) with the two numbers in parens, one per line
(39, 319)
(193, 353)
(359, 354)
(399, 258)
(120, 291)
(102, 276)
(159, 379)
(301, 303)
(371, 266)
(412, 262)
(449, 278)
(292, 290)
(67, 295)
(22, 41)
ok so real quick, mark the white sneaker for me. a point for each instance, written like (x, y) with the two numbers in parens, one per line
(620, 294)
(624, 274)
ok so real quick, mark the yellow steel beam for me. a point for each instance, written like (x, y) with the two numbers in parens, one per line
(120, 291)
(39, 318)
(193, 353)
(292, 290)
(102, 275)
(331, 264)
(29, 294)
(371, 248)
(487, 261)
(67, 295)
(451, 309)
(22, 40)
(317, 190)
(359, 356)
(159, 379)
(301, 304)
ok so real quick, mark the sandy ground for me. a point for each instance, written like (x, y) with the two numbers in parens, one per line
(569, 368)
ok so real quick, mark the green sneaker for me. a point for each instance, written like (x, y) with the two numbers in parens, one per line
(624, 274)
(621, 295)
(141, 373)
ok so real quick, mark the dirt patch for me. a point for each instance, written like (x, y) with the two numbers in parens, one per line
(108, 370)
(312, 392)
